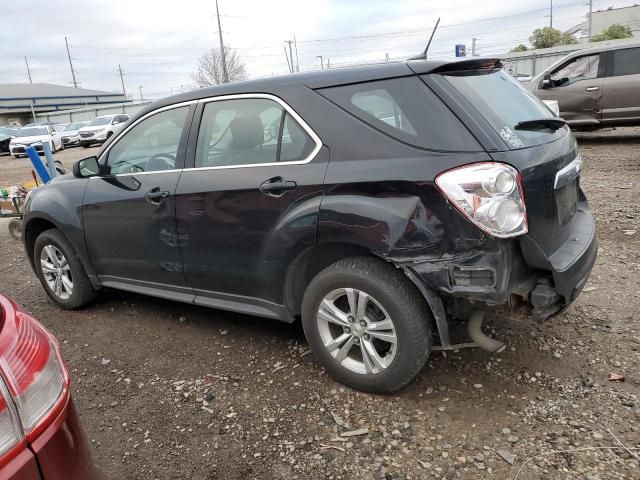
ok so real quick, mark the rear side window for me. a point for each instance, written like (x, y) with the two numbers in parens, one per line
(626, 62)
(407, 110)
(249, 131)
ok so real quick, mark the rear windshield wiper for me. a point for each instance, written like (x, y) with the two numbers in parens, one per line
(541, 123)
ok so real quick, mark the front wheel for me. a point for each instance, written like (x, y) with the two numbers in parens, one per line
(60, 271)
(367, 324)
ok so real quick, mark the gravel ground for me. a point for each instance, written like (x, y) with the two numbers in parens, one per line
(172, 391)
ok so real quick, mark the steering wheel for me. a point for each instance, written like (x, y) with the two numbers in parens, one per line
(160, 161)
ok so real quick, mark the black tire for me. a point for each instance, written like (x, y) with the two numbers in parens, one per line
(404, 304)
(85, 145)
(15, 228)
(53, 146)
(83, 292)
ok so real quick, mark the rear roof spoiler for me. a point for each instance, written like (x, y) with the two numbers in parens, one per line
(459, 66)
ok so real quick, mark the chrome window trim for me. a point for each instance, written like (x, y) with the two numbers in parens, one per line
(305, 126)
(103, 155)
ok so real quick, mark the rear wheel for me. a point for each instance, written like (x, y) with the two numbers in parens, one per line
(60, 271)
(367, 324)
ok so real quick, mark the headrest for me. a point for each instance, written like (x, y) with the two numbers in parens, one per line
(246, 132)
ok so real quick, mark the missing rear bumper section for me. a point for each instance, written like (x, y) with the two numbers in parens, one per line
(507, 276)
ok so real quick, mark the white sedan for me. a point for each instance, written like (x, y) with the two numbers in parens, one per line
(35, 136)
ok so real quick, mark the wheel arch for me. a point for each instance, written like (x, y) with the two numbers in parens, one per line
(308, 264)
(33, 226)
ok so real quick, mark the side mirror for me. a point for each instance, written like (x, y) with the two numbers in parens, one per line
(546, 81)
(87, 167)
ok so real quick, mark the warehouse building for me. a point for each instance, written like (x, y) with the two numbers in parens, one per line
(20, 103)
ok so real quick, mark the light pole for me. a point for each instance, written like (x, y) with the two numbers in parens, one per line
(321, 61)
(140, 88)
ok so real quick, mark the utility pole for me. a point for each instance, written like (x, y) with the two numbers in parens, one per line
(293, 67)
(124, 92)
(589, 24)
(140, 88)
(474, 41)
(28, 71)
(328, 63)
(321, 61)
(295, 43)
(222, 52)
(286, 55)
(73, 74)
(551, 14)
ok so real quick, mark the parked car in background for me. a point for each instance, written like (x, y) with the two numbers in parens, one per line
(71, 134)
(596, 87)
(101, 128)
(59, 127)
(6, 134)
(35, 136)
(41, 437)
(377, 203)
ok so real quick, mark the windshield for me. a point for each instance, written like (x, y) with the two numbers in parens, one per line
(32, 131)
(99, 121)
(74, 126)
(504, 102)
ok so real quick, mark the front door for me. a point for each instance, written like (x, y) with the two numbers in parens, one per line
(129, 210)
(577, 86)
(251, 199)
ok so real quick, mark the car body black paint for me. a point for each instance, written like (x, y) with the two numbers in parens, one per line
(218, 241)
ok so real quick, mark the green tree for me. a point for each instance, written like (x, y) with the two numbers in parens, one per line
(519, 48)
(613, 32)
(550, 37)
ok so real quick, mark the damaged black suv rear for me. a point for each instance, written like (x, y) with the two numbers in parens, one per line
(378, 204)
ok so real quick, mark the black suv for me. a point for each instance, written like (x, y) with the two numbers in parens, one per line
(375, 203)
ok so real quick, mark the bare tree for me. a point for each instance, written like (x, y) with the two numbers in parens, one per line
(210, 71)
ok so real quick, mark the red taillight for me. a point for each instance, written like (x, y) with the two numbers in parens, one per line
(36, 382)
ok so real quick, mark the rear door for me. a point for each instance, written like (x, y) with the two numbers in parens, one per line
(577, 86)
(251, 198)
(621, 95)
(129, 210)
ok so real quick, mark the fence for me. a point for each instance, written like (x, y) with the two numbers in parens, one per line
(89, 113)
(533, 62)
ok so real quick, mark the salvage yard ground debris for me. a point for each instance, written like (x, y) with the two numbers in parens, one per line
(225, 396)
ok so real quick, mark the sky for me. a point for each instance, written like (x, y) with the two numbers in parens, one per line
(158, 43)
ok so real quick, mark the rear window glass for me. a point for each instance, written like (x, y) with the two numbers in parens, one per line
(406, 109)
(503, 102)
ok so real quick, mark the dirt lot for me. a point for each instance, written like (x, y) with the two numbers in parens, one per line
(171, 391)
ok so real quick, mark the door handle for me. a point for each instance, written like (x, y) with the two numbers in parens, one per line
(591, 89)
(155, 195)
(277, 186)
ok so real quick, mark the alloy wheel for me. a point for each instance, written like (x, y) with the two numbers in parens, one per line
(56, 271)
(357, 331)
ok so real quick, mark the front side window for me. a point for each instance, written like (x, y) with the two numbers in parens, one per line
(249, 131)
(582, 68)
(150, 146)
(626, 62)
